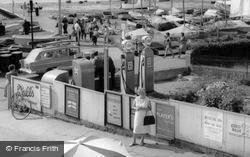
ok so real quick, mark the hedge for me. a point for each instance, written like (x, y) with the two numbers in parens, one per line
(231, 49)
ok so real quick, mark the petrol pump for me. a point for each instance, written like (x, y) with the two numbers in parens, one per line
(146, 66)
(127, 67)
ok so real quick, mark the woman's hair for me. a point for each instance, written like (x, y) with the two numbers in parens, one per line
(141, 91)
(11, 67)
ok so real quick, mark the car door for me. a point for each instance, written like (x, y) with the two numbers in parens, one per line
(62, 57)
(44, 62)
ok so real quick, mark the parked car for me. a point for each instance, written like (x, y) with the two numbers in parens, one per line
(41, 60)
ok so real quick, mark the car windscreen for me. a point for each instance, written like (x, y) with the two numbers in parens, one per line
(32, 55)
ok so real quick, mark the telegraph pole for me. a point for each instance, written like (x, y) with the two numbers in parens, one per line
(31, 21)
(183, 7)
(171, 7)
(133, 5)
(110, 6)
(202, 3)
(225, 11)
(13, 6)
(59, 17)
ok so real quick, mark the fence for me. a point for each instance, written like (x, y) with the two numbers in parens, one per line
(212, 128)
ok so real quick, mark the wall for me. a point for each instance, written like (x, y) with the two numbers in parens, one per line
(212, 128)
(91, 103)
(189, 120)
(190, 127)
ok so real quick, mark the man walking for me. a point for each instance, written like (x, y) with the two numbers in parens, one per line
(36, 6)
(183, 44)
(65, 25)
(77, 30)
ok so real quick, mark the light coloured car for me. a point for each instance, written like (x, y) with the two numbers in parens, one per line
(41, 60)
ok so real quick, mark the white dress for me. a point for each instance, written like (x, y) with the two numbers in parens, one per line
(139, 128)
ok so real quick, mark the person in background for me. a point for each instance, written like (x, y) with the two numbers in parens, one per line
(24, 7)
(167, 43)
(77, 30)
(105, 34)
(26, 27)
(83, 29)
(108, 22)
(7, 90)
(142, 105)
(95, 36)
(183, 44)
(36, 6)
(65, 25)
(90, 30)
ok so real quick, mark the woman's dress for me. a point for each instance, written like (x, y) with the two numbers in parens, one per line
(139, 128)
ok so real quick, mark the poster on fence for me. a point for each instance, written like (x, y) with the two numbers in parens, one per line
(45, 95)
(165, 121)
(236, 127)
(213, 125)
(114, 109)
(28, 90)
(247, 130)
(72, 101)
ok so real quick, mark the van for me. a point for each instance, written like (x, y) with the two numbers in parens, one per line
(41, 60)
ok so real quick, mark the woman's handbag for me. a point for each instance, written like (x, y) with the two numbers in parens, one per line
(149, 119)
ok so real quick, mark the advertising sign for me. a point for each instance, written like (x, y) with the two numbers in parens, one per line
(132, 112)
(45, 95)
(213, 125)
(236, 127)
(165, 121)
(247, 130)
(29, 90)
(114, 109)
(72, 101)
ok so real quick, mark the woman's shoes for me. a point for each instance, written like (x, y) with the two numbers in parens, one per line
(142, 144)
(132, 144)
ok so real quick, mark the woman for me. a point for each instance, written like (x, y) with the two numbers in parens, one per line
(95, 36)
(142, 105)
(183, 44)
(167, 43)
(7, 91)
(105, 34)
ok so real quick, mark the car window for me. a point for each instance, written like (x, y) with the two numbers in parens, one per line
(48, 55)
(61, 53)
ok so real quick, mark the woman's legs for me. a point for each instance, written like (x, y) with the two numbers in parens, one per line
(166, 51)
(134, 141)
(142, 140)
(172, 52)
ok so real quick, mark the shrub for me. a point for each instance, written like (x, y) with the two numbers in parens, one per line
(222, 95)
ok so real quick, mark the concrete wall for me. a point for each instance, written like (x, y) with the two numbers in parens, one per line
(91, 103)
(190, 127)
(189, 120)
(231, 133)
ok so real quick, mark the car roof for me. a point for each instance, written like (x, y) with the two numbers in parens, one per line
(35, 52)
